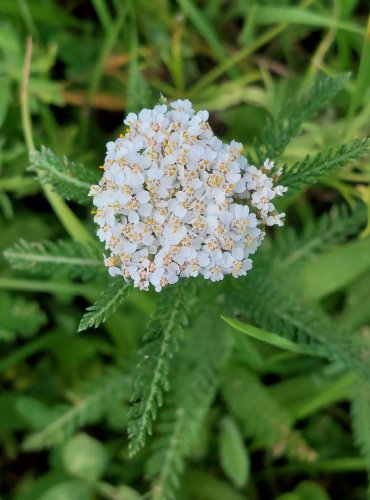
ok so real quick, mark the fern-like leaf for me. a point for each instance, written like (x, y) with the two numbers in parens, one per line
(160, 343)
(291, 248)
(274, 307)
(269, 299)
(195, 381)
(71, 180)
(312, 168)
(48, 258)
(277, 134)
(107, 304)
(360, 421)
(262, 417)
(93, 401)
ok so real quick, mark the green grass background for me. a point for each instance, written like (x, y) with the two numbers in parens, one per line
(89, 63)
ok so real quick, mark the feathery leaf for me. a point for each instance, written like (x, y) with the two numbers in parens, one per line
(71, 180)
(291, 248)
(269, 300)
(160, 343)
(107, 304)
(48, 258)
(309, 170)
(277, 134)
(275, 307)
(195, 381)
(261, 416)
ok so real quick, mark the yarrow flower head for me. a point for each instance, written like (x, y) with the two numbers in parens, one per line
(176, 202)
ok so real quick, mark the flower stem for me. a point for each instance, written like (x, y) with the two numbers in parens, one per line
(26, 117)
(68, 219)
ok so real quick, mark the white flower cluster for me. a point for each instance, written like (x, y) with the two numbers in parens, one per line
(174, 201)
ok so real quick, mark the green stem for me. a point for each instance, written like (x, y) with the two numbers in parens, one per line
(68, 219)
(17, 183)
(90, 292)
(48, 287)
(102, 13)
(26, 116)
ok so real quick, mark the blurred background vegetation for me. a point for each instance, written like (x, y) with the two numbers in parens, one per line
(92, 61)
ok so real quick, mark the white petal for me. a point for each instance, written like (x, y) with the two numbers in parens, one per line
(133, 218)
(237, 253)
(180, 211)
(145, 210)
(143, 197)
(114, 271)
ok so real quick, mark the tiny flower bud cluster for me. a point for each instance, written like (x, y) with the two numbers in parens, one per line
(174, 201)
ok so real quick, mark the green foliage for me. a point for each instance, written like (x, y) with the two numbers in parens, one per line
(194, 384)
(208, 486)
(205, 29)
(271, 299)
(278, 310)
(360, 420)
(355, 313)
(73, 490)
(227, 374)
(261, 417)
(161, 341)
(320, 276)
(85, 457)
(268, 337)
(109, 301)
(311, 169)
(95, 399)
(19, 317)
(306, 490)
(47, 258)
(234, 456)
(69, 179)
(277, 134)
(137, 88)
(293, 247)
